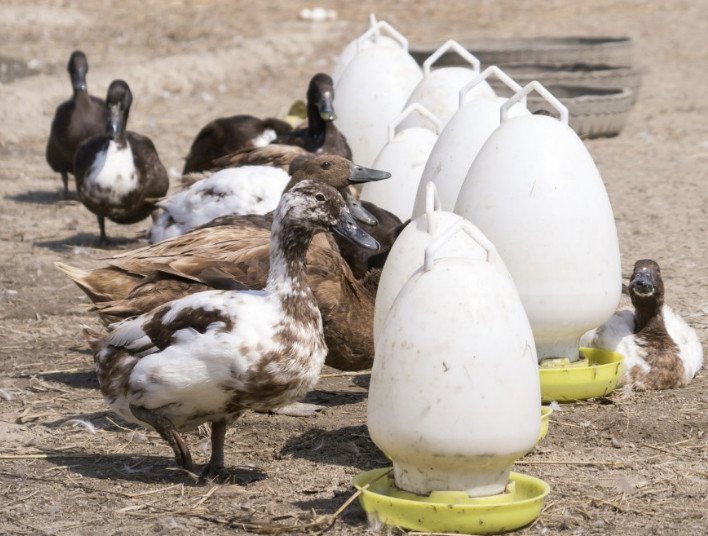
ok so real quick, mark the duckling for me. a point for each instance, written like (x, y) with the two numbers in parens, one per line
(661, 351)
(227, 135)
(212, 355)
(79, 118)
(119, 175)
(250, 190)
(320, 135)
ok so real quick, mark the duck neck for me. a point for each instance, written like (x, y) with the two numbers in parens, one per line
(648, 317)
(316, 126)
(288, 250)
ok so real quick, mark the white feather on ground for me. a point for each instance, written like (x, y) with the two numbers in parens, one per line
(239, 191)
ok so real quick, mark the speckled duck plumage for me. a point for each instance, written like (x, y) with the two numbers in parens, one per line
(212, 355)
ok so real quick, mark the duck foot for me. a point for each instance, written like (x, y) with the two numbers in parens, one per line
(168, 432)
(298, 409)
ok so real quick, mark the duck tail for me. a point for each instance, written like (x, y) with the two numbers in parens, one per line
(94, 338)
(101, 284)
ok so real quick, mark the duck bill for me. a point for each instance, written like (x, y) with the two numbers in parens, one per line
(78, 82)
(115, 122)
(347, 227)
(642, 284)
(326, 107)
(359, 174)
(358, 210)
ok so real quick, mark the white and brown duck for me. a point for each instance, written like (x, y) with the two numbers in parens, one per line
(119, 175)
(210, 356)
(75, 120)
(661, 351)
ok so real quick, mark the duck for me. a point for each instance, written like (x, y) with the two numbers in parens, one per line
(226, 135)
(232, 253)
(251, 190)
(319, 135)
(661, 351)
(75, 120)
(119, 175)
(212, 355)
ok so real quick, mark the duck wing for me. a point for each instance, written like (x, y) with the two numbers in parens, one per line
(149, 166)
(275, 155)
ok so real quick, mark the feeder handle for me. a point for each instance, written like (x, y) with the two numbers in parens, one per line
(528, 88)
(415, 107)
(457, 47)
(492, 70)
(432, 204)
(460, 225)
(374, 32)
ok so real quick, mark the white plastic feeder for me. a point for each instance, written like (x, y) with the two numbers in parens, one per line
(454, 396)
(404, 156)
(347, 55)
(462, 138)
(439, 89)
(372, 91)
(406, 255)
(534, 190)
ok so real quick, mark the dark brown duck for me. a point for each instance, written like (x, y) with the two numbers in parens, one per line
(75, 120)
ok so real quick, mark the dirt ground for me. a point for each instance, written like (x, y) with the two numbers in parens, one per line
(631, 464)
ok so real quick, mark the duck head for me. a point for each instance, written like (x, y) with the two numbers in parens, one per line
(320, 97)
(339, 173)
(315, 206)
(78, 67)
(118, 101)
(646, 288)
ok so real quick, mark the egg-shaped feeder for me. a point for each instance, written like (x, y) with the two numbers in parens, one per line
(372, 91)
(438, 91)
(454, 398)
(406, 255)
(534, 190)
(462, 138)
(373, 39)
(404, 156)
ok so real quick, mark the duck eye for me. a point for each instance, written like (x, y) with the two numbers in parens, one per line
(320, 197)
(326, 165)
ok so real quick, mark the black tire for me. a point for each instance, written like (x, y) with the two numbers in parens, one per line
(592, 112)
(601, 76)
(543, 50)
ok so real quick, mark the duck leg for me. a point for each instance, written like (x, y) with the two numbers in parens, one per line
(65, 180)
(167, 431)
(103, 239)
(215, 468)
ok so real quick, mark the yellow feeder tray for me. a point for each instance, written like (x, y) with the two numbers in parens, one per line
(545, 416)
(451, 511)
(595, 374)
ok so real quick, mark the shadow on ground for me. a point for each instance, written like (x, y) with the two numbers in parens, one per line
(349, 446)
(43, 197)
(88, 240)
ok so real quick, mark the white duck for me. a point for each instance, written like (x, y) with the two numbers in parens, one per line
(237, 190)
(212, 355)
(661, 351)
